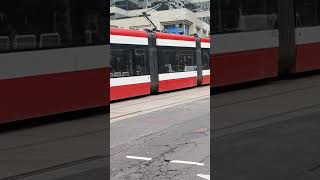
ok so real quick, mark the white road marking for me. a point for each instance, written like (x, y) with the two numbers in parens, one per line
(186, 162)
(139, 158)
(204, 176)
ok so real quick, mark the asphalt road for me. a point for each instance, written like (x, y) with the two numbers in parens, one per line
(73, 148)
(269, 132)
(265, 132)
(76, 147)
(177, 133)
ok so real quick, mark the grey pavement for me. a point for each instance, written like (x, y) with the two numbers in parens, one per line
(77, 149)
(268, 132)
(176, 133)
(56, 150)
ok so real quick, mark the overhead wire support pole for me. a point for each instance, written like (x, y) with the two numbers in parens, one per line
(144, 14)
(155, 7)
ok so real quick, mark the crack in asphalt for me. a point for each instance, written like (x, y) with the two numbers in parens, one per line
(165, 142)
(159, 169)
(158, 166)
(151, 136)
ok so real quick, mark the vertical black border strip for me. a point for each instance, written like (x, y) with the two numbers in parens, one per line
(212, 18)
(107, 33)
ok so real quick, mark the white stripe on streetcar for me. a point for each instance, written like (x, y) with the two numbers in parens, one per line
(52, 61)
(205, 72)
(308, 35)
(186, 162)
(139, 158)
(178, 75)
(205, 45)
(117, 39)
(204, 176)
(255, 40)
(129, 80)
(175, 43)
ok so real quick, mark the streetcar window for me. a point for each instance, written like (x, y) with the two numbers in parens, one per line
(38, 24)
(244, 15)
(129, 60)
(307, 13)
(173, 60)
(205, 53)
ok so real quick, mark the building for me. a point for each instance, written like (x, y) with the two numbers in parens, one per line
(143, 4)
(200, 7)
(186, 17)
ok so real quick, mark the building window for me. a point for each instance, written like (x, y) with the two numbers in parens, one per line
(172, 29)
(186, 29)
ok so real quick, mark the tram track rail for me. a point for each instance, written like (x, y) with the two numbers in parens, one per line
(181, 92)
(137, 113)
(276, 115)
(54, 140)
(55, 167)
(47, 146)
(267, 119)
(265, 96)
(128, 109)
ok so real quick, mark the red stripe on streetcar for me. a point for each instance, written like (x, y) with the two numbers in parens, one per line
(128, 91)
(175, 37)
(244, 66)
(207, 40)
(128, 32)
(174, 84)
(206, 79)
(307, 57)
(38, 96)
